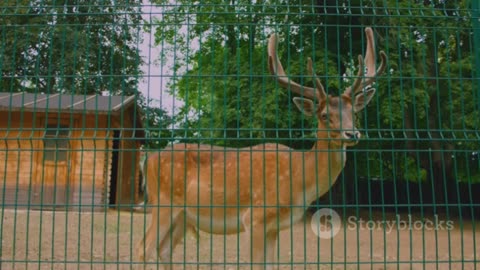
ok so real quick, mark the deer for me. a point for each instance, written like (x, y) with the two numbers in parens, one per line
(259, 190)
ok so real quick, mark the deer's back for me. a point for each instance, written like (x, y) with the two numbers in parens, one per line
(186, 169)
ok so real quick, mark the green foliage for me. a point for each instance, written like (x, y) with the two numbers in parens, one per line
(468, 167)
(157, 124)
(428, 106)
(70, 46)
(237, 102)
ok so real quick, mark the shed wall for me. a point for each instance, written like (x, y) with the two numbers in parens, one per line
(16, 167)
(23, 168)
(92, 159)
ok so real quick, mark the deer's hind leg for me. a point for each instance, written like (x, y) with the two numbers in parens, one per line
(163, 216)
(177, 232)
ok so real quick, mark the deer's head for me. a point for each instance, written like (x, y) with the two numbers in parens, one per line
(335, 114)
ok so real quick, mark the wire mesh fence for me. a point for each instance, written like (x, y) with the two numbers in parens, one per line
(239, 134)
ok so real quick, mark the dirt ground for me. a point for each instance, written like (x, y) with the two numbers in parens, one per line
(107, 240)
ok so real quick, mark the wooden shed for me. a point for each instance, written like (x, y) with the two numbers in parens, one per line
(69, 151)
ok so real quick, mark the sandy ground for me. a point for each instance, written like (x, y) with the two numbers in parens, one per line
(107, 240)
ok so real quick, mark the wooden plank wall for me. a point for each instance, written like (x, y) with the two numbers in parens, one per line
(90, 185)
(21, 161)
(17, 159)
(16, 167)
(89, 165)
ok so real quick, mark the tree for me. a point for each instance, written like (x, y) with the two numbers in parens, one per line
(223, 82)
(157, 123)
(70, 46)
(432, 97)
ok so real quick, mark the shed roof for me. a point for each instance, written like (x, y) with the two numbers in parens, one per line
(64, 102)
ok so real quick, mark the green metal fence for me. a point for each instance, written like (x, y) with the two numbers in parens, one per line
(239, 134)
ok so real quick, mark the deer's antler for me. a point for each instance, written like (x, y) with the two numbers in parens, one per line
(276, 69)
(369, 61)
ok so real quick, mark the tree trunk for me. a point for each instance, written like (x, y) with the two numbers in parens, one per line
(231, 37)
(410, 144)
(441, 160)
(440, 165)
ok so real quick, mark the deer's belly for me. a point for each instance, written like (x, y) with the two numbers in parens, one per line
(216, 220)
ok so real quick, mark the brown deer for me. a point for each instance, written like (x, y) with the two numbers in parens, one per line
(261, 189)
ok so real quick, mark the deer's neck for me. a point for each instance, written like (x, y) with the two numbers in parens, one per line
(323, 164)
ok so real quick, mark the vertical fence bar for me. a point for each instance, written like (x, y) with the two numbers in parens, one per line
(476, 48)
(476, 34)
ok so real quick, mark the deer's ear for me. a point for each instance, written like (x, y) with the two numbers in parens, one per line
(362, 99)
(305, 105)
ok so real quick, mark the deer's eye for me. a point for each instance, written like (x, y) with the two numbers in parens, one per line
(324, 116)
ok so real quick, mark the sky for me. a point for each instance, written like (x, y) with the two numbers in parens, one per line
(155, 78)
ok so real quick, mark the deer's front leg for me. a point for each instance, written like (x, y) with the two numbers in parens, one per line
(262, 238)
(270, 244)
